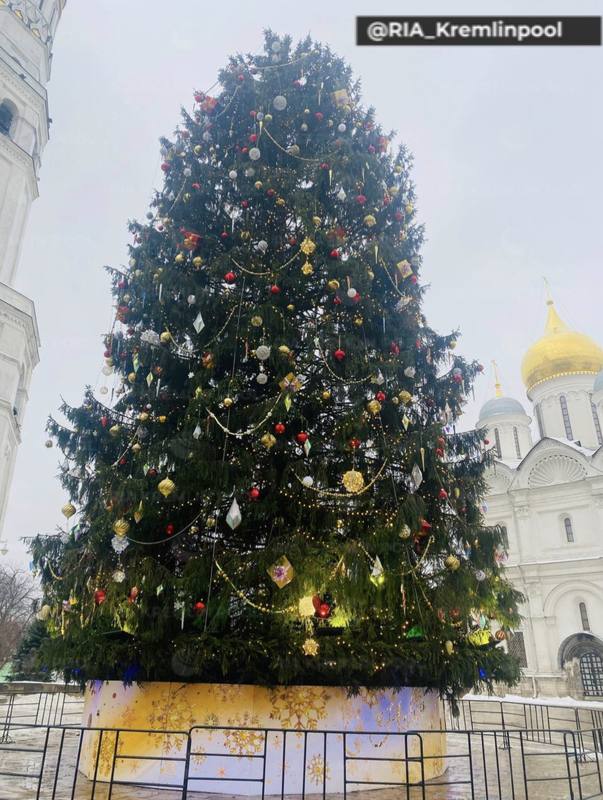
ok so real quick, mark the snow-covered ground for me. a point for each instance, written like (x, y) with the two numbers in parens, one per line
(537, 701)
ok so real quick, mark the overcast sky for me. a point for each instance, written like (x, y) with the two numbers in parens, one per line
(509, 173)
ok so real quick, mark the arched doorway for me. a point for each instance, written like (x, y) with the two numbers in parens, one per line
(587, 651)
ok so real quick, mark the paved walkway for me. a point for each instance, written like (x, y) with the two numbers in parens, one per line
(498, 774)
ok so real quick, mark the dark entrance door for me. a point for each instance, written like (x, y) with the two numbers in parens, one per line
(591, 672)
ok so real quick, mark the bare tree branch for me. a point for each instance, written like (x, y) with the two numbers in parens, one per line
(17, 595)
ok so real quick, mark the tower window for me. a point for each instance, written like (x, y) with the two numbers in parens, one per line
(569, 531)
(497, 440)
(539, 421)
(584, 617)
(566, 420)
(517, 648)
(7, 115)
(597, 422)
(504, 536)
(516, 440)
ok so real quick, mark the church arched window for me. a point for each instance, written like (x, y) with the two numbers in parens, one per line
(516, 440)
(539, 421)
(584, 617)
(8, 112)
(504, 536)
(497, 441)
(569, 530)
(597, 422)
(566, 420)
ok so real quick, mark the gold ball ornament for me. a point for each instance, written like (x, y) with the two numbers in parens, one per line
(374, 406)
(353, 481)
(115, 430)
(197, 149)
(398, 169)
(449, 647)
(210, 522)
(166, 337)
(310, 647)
(256, 321)
(267, 117)
(227, 402)
(280, 201)
(268, 440)
(258, 184)
(409, 208)
(333, 284)
(121, 527)
(326, 395)
(290, 307)
(500, 635)
(358, 321)
(194, 529)
(316, 221)
(180, 258)
(307, 268)
(136, 447)
(166, 487)
(197, 262)
(405, 397)
(132, 377)
(162, 418)
(370, 221)
(68, 510)
(405, 532)
(452, 344)
(143, 416)
(370, 274)
(284, 350)
(48, 443)
(198, 392)
(452, 563)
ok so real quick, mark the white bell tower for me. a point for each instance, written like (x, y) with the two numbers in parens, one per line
(27, 29)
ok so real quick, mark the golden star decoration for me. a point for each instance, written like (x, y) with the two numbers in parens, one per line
(307, 246)
(310, 647)
(353, 481)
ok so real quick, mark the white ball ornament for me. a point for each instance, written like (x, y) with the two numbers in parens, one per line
(191, 299)
(249, 172)
(341, 127)
(352, 292)
(259, 116)
(232, 174)
(279, 103)
(187, 172)
(304, 127)
(308, 481)
(262, 352)
(262, 246)
(254, 153)
(262, 378)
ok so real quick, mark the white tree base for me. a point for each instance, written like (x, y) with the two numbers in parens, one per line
(238, 754)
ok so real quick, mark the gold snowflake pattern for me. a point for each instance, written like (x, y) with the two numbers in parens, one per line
(244, 743)
(300, 707)
(315, 770)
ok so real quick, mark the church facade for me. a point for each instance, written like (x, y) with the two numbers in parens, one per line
(27, 29)
(546, 492)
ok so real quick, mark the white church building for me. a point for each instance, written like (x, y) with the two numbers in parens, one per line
(548, 496)
(26, 35)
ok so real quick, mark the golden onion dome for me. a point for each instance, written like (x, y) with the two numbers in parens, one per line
(560, 351)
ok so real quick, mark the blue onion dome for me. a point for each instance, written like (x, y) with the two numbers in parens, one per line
(499, 406)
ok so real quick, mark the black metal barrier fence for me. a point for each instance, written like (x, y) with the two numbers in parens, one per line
(54, 762)
(55, 705)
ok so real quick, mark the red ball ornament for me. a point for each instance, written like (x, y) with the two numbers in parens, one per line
(361, 199)
(355, 443)
(100, 595)
(319, 116)
(292, 241)
(337, 300)
(480, 367)
(169, 529)
(439, 452)
(271, 192)
(224, 235)
(152, 473)
(413, 279)
(443, 494)
(107, 354)
(486, 441)
(371, 148)
(339, 354)
(196, 186)
(240, 78)
(301, 437)
(274, 289)
(334, 253)
(425, 526)
(457, 378)
(245, 204)
(199, 96)
(279, 428)
(123, 460)
(230, 277)
(254, 493)
(399, 216)
(165, 166)
(199, 607)
(324, 165)
(324, 610)
(253, 137)
(380, 396)
(244, 150)
(441, 441)
(394, 348)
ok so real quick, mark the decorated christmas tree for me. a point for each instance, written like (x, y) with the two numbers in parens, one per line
(270, 489)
